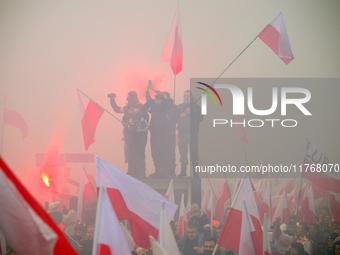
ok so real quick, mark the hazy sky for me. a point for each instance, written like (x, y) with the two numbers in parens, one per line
(48, 49)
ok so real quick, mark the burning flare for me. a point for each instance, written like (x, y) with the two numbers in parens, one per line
(45, 179)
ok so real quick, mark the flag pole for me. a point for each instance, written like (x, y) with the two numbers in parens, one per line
(95, 238)
(212, 84)
(89, 181)
(102, 107)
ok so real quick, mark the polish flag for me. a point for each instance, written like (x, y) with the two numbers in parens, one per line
(266, 243)
(265, 202)
(13, 118)
(210, 211)
(173, 49)
(108, 238)
(90, 113)
(282, 209)
(85, 195)
(170, 192)
(182, 219)
(205, 200)
(328, 180)
(135, 201)
(25, 224)
(166, 236)
(188, 210)
(307, 212)
(276, 37)
(231, 239)
(223, 195)
(247, 230)
(335, 206)
(240, 134)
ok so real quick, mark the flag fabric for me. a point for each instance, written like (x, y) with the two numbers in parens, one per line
(335, 206)
(182, 219)
(173, 49)
(282, 209)
(166, 236)
(240, 134)
(25, 224)
(85, 195)
(135, 201)
(314, 169)
(231, 239)
(210, 211)
(14, 118)
(170, 195)
(247, 228)
(307, 212)
(223, 195)
(90, 113)
(266, 243)
(276, 37)
(108, 238)
(128, 237)
(157, 249)
(265, 203)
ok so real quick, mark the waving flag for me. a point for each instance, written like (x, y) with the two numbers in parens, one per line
(329, 179)
(182, 219)
(157, 249)
(90, 113)
(166, 236)
(276, 37)
(170, 195)
(282, 209)
(25, 224)
(109, 238)
(210, 211)
(234, 221)
(188, 210)
(173, 49)
(223, 195)
(247, 228)
(13, 118)
(85, 195)
(265, 202)
(134, 201)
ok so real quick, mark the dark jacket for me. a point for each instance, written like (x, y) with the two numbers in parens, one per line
(190, 123)
(201, 221)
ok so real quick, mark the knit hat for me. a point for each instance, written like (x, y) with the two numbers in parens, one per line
(53, 207)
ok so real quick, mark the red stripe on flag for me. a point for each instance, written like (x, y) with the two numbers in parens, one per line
(104, 249)
(89, 122)
(140, 228)
(270, 36)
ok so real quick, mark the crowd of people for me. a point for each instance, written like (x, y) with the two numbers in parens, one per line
(321, 237)
(166, 118)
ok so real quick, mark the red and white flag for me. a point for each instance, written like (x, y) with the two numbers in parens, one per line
(307, 212)
(25, 224)
(170, 195)
(223, 195)
(173, 49)
(319, 170)
(276, 37)
(282, 209)
(182, 219)
(335, 206)
(311, 216)
(210, 211)
(266, 244)
(247, 228)
(86, 193)
(135, 201)
(166, 236)
(108, 235)
(13, 118)
(265, 202)
(90, 113)
(231, 239)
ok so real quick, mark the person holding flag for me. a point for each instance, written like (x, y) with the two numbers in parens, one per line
(136, 123)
